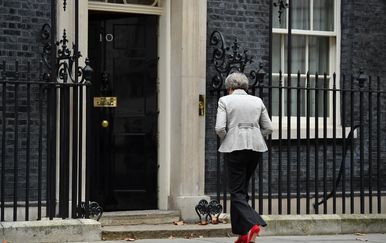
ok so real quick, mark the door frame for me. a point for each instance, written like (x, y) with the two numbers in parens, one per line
(164, 86)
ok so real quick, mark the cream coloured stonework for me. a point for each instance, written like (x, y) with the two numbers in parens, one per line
(188, 62)
(66, 20)
(164, 49)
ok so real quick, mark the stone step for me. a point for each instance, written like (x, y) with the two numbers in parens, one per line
(277, 225)
(148, 217)
(165, 231)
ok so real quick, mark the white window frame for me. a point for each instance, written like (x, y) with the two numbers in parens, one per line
(334, 66)
(154, 9)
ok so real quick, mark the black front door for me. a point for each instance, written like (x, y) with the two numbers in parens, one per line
(123, 52)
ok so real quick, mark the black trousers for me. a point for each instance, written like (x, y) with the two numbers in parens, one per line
(241, 165)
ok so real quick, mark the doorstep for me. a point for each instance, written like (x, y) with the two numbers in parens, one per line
(277, 225)
(164, 231)
(139, 217)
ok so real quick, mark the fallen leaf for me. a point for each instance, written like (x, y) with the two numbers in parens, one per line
(178, 222)
(360, 239)
(359, 234)
(171, 237)
(129, 239)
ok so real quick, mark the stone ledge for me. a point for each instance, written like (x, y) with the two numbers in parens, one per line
(57, 230)
(302, 224)
(366, 223)
(324, 224)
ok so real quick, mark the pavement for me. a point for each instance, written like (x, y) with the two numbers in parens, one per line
(282, 228)
(348, 238)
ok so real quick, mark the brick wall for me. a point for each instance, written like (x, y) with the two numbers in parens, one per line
(363, 36)
(246, 20)
(20, 25)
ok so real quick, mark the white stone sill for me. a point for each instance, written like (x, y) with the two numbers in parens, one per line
(303, 131)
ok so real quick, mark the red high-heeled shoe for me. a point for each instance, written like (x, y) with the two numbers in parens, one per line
(242, 239)
(254, 230)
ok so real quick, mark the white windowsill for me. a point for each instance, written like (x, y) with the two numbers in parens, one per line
(312, 130)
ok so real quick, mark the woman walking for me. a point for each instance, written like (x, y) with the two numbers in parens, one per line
(242, 121)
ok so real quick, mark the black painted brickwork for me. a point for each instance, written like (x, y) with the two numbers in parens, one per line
(363, 45)
(246, 20)
(363, 36)
(20, 25)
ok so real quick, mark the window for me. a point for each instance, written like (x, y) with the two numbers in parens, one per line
(146, 2)
(153, 7)
(315, 49)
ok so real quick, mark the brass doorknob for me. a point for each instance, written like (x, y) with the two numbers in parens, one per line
(105, 123)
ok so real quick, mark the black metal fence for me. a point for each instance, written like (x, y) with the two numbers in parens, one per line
(34, 142)
(327, 153)
(44, 114)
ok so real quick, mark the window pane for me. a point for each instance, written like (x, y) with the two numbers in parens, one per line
(302, 97)
(301, 14)
(275, 96)
(324, 15)
(147, 2)
(320, 95)
(294, 97)
(276, 53)
(276, 22)
(319, 48)
(298, 54)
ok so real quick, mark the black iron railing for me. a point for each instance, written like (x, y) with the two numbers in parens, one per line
(328, 142)
(28, 172)
(44, 113)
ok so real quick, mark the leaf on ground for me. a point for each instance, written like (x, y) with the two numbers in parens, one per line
(171, 237)
(360, 239)
(190, 236)
(359, 234)
(129, 239)
(178, 222)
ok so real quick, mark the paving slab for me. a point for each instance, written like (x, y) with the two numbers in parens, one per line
(345, 238)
